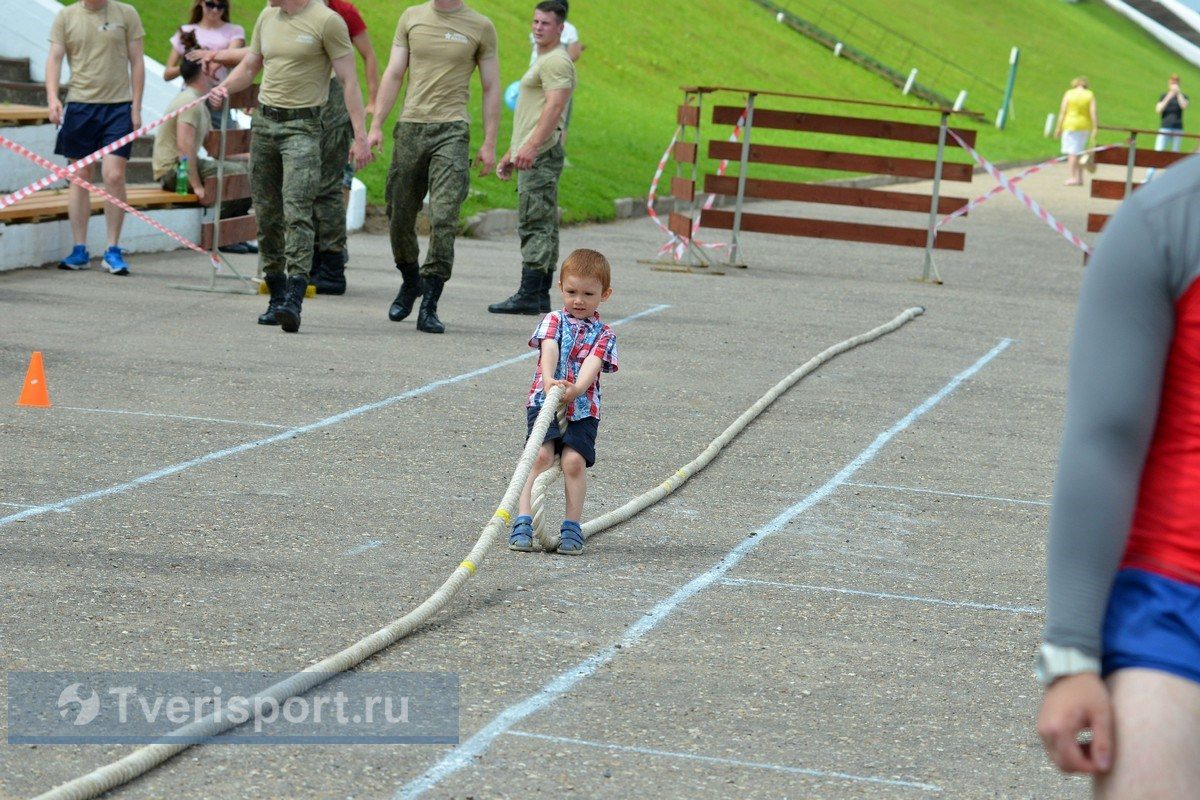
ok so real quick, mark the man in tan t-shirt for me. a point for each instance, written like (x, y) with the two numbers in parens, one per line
(439, 44)
(102, 43)
(537, 155)
(295, 43)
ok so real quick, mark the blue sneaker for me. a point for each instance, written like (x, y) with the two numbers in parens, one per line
(570, 538)
(521, 538)
(78, 259)
(114, 259)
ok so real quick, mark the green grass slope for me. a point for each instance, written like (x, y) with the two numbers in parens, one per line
(638, 55)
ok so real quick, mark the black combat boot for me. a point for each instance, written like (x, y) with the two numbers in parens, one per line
(544, 304)
(277, 286)
(525, 301)
(427, 319)
(314, 271)
(330, 277)
(410, 290)
(288, 314)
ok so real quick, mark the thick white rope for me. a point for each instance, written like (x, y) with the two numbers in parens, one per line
(682, 475)
(146, 758)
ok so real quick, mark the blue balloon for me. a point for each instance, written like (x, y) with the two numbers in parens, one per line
(510, 95)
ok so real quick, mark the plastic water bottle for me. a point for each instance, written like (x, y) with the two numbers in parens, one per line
(181, 176)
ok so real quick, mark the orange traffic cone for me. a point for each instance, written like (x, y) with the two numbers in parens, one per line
(35, 394)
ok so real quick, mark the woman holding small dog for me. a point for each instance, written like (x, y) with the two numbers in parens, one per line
(208, 30)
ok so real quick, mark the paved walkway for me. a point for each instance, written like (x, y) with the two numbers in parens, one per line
(843, 605)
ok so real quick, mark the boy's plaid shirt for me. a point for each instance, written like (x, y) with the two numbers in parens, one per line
(577, 339)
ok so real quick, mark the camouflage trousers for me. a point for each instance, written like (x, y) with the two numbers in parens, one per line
(284, 173)
(329, 207)
(537, 210)
(433, 157)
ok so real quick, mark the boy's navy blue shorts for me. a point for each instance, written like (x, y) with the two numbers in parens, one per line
(87, 127)
(1152, 622)
(581, 435)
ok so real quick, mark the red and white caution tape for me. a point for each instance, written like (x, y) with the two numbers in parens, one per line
(61, 172)
(995, 190)
(652, 195)
(676, 245)
(1026, 200)
(86, 161)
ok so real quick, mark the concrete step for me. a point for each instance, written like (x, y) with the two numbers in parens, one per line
(24, 92)
(144, 147)
(14, 69)
(139, 170)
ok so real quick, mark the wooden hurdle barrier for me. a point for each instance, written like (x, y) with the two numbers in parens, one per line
(219, 232)
(743, 186)
(1131, 157)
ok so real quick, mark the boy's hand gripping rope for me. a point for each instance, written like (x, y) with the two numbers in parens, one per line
(146, 758)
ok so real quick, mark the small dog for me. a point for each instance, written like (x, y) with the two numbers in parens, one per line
(188, 40)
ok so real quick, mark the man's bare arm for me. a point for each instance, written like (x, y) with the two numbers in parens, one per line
(343, 67)
(137, 77)
(53, 77)
(527, 151)
(389, 90)
(489, 78)
(362, 43)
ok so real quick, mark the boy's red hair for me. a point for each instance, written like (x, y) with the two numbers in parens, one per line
(586, 263)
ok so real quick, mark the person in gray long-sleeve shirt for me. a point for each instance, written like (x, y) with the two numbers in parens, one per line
(1121, 649)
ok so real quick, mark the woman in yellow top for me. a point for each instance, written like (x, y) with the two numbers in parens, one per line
(1077, 122)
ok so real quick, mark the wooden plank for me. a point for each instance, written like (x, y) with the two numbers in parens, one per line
(1096, 222)
(688, 115)
(233, 230)
(1142, 158)
(49, 205)
(834, 195)
(236, 143)
(685, 152)
(843, 126)
(1110, 190)
(15, 115)
(847, 162)
(246, 98)
(237, 187)
(829, 229)
(683, 189)
(680, 225)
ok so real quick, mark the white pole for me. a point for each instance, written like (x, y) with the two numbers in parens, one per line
(912, 78)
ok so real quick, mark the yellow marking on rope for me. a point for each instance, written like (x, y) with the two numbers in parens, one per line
(681, 473)
(667, 485)
(504, 515)
(468, 566)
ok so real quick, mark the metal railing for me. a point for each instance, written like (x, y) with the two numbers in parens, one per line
(895, 52)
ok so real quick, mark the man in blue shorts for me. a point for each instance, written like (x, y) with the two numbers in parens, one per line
(1120, 658)
(102, 42)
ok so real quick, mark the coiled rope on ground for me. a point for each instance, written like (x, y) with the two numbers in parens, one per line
(146, 758)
